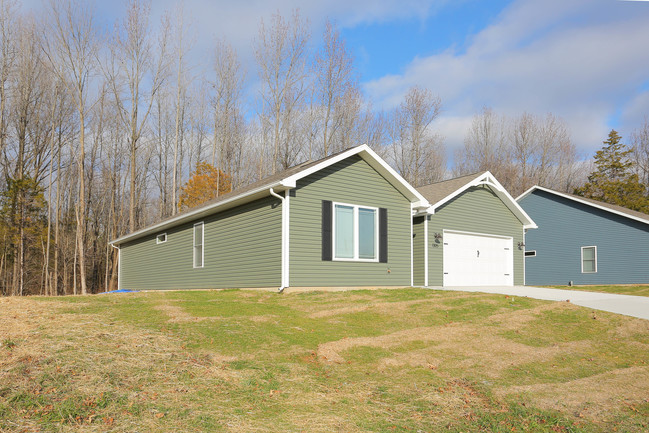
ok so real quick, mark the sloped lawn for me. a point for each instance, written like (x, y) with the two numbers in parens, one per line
(386, 360)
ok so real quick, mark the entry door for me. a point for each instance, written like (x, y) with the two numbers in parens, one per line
(478, 260)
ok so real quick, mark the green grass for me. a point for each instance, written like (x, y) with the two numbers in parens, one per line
(384, 360)
(631, 289)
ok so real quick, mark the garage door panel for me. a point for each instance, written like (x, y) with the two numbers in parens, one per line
(477, 260)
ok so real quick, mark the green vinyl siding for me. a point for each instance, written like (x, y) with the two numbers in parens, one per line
(476, 210)
(418, 245)
(351, 181)
(242, 248)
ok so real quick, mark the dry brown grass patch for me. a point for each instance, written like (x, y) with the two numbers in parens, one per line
(593, 397)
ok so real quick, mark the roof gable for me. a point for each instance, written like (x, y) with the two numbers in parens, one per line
(283, 181)
(614, 209)
(442, 192)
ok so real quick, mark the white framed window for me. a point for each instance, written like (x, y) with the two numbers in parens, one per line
(199, 237)
(161, 238)
(531, 253)
(589, 260)
(355, 233)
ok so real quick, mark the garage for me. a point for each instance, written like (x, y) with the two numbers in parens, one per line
(476, 259)
(473, 234)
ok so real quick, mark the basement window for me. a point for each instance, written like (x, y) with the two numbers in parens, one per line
(161, 238)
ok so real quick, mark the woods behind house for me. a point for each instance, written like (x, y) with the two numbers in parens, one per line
(101, 128)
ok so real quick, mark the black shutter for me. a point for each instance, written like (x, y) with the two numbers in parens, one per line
(383, 235)
(326, 230)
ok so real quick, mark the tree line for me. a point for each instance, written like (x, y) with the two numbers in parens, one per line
(102, 128)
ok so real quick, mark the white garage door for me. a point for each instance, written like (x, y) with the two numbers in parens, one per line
(472, 259)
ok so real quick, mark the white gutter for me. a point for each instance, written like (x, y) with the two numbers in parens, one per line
(285, 243)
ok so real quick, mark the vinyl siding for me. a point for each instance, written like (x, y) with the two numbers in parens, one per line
(350, 181)
(476, 210)
(565, 226)
(242, 248)
(418, 245)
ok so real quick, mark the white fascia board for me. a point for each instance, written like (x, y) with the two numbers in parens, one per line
(529, 191)
(569, 197)
(376, 162)
(201, 212)
(487, 178)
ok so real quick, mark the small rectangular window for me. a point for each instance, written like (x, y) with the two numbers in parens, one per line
(198, 245)
(355, 232)
(531, 253)
(161, 238)
(588, 260)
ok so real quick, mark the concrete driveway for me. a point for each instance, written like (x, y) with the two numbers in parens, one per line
(635, 306)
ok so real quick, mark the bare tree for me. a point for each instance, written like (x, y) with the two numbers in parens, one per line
(640, 143)
(417, 151)
(229, 129)
(181, 48)
(136, 73)
(8, 27)
(336, 89)
(71, 47)
(280, 51)
(485, 146)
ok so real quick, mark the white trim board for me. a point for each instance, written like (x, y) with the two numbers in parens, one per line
(202, 224)
(594, 258)
(355, 233)
(578, 200)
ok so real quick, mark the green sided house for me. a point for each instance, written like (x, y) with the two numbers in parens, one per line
(345, 220)
(473, 234)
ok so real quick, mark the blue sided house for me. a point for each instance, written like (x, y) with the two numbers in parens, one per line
(583, 241)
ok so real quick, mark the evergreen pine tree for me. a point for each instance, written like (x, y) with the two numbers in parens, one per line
(613, 180)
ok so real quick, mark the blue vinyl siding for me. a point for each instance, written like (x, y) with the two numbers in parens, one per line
(565, 226)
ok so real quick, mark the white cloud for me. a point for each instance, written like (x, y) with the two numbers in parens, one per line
(581, 60)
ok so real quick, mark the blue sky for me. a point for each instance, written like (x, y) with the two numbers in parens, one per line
(586, 61)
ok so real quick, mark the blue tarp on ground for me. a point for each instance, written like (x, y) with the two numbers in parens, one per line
(123, 291)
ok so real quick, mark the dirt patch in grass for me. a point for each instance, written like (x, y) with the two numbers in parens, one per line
(178, 314)
(379, 306)
(317, 311)
(593, 396)
(632, 328)
(488, 352)
(515, 319)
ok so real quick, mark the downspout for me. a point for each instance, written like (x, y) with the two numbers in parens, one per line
(412, 261)
(119, 266)
(284, 279)
(426, 250)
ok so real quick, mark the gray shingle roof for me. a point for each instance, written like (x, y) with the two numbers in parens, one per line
(612, 207)
(439, 190)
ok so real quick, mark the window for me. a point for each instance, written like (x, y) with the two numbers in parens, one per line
(355, 232)
(161, 238)
(198, 245)
(588, 260)
(531, 253)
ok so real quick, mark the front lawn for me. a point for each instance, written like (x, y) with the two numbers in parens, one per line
(631, 289)
(387, 360)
